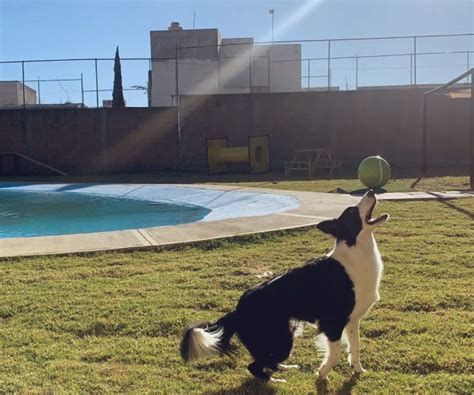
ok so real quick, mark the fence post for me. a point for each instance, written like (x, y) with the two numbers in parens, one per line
(23, 82)
(82, 90)
(309, 73)
(472, 132)
(96, 84)
(176, 76)
(414, 59)
(178, 112)
(39, 90)
(218, 74)
(424, 134)
(269, 81)
(357, 71)
(467, 64)
(329, 65)
(250, 68)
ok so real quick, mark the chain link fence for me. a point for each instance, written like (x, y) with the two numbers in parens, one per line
(322, 64)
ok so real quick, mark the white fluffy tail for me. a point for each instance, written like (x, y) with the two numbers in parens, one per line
(201, 342)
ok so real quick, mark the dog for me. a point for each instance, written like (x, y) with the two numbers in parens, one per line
(334, 292)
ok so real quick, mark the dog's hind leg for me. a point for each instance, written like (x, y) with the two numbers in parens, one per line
(352, 332)
(257, 370)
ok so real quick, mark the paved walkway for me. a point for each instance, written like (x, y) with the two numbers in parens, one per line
(395, 196)
(313, 207)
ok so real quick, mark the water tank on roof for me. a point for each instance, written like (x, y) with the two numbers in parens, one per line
(175, 26)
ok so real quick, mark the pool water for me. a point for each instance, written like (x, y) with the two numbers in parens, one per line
(27, 214)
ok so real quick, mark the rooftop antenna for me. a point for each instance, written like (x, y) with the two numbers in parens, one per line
(194, 20)
(272, 13)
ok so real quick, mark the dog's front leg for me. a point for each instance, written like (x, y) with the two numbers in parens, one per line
(334, 350)
(352, 332)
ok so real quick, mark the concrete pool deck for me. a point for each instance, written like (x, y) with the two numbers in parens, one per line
(313, 207)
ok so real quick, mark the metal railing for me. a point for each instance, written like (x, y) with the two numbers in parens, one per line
(316, 72)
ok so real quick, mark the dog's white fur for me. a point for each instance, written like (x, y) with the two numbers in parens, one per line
(364, 266)
(204, 344)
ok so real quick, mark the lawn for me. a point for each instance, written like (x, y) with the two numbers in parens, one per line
(276, 180)
(112, 321)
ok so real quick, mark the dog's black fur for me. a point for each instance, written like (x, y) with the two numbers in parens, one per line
(319, 292)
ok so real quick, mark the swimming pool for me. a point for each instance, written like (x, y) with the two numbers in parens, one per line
(29, 210)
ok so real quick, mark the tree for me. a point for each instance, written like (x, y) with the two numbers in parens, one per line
(117, 94)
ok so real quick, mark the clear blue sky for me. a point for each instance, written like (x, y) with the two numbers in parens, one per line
(36, 29)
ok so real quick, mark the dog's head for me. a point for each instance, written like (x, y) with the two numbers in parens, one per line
(354, 221)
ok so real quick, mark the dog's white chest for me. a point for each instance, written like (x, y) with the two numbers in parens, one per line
(364, 266)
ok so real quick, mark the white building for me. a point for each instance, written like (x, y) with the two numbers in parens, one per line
(208, 64)
(11, 94)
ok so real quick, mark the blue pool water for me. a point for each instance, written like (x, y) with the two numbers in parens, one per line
(27, 213)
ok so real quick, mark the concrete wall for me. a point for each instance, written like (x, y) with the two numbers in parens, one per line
(352, 124)
(204, 42)
(195, 77)
(11, 94)
(93, 140)
(285, 67)
(224, 66)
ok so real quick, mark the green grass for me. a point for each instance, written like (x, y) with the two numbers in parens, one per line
(401, 182)
(112, 322)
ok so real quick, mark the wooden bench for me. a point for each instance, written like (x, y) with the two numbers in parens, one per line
(311, 160)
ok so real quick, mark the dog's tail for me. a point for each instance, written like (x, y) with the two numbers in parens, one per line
(204, 340)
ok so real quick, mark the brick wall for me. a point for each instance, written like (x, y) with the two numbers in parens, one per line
(93, 140)
(352, 124)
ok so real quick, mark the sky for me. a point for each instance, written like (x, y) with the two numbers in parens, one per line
(37, 29)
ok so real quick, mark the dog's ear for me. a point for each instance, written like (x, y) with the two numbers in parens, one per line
(329, 226)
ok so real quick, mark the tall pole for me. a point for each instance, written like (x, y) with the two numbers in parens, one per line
(82, 90)
(467, 64)
(23, 81)
(411, 69)
(250, 68)
(472, 131)
(309, 73)
(414, 59)
(269, 81)
(176, 76)
(178, 113)
(272, 13)
(39, 91)
(96, 84)
(424, 135)
(357, 71)
(329, 65)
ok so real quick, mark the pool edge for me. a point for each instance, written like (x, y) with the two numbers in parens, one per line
(313, 208)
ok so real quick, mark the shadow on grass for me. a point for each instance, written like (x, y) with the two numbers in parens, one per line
(415, 183)
(452, 205)
(256, 386)
(346, 388)
(362, 191)
(249, 386)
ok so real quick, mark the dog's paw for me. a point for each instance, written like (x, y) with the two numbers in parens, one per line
(274, 380)
(356, 366)
(282, 366)
(322, 377)
(358, 369)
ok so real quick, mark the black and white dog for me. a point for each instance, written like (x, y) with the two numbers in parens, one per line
(334, 291)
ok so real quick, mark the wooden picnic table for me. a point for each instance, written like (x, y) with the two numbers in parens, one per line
(311, 160)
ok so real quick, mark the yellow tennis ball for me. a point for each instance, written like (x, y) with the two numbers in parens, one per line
(374, 172)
